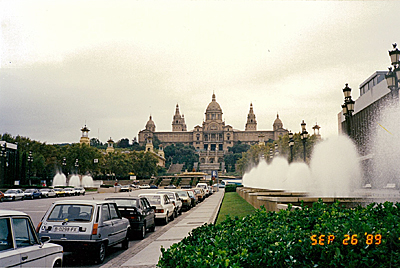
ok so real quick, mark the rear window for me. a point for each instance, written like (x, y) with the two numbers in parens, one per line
(124, 202)
(154, 199)
(69, 212)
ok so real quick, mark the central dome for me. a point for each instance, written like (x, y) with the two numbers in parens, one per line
(213, 106)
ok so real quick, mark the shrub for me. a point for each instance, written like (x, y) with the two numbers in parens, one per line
(298, 238)
(230, 188)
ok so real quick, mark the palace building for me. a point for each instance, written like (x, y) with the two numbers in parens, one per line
(213, 138)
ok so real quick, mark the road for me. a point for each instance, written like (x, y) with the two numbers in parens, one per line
(37, 207)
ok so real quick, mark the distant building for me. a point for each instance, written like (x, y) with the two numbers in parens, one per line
(213, 138)
(374, 94)
(110, 146)
(85, 136)
(9, 163)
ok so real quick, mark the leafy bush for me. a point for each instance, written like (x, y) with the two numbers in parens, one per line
(230, 188)
(286, 238)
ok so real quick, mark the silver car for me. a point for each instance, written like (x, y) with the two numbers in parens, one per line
(20, 246)
(85, 226)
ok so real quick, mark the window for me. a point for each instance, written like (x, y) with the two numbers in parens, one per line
(5, 235)
(24, 235)
(143, 204)
(105, 215)
(114, 213)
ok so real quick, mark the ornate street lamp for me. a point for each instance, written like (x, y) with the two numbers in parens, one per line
(393, 75)
(304, 136)
(271, 154)
(348, 108)
(276, 149)
(291, 144)
(76, 165)
(30, 160)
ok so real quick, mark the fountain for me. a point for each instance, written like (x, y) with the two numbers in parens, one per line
(59, 179)
(75, 181)
(87, 181)
(329, 176)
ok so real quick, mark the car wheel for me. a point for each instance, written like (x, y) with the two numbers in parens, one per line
(175, 215)
(166, 219)
(13, 199)
(101, 253)
(142, 232)
(125, 243)
(172, 216)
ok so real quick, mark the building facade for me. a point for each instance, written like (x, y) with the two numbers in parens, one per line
(213, 137)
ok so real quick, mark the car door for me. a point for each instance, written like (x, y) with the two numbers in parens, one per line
(119, 224)
(27, 243)
(150, 213)
(8, 255)
(107, 229)
(145, 211)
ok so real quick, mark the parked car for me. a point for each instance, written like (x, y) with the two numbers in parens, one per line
(139, 212)
(80, 190)
(193, 197)
(174, 197)
(21, 247)
(14, 194)
(32, 193)
(204, 186)
(144, 186)
(125, 188)
(153, 186)
(171, 186)
(46, 192)
(199, 192)
(85, 226)
(59, 192)
(69, 191)
(1, 196)
(211, 190)
(164, 206)
(185, 198)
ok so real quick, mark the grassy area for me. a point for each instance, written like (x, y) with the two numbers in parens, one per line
(233, 205)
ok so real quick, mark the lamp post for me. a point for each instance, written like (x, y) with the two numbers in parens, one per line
(30, 160)
(348, 108)
(276, 149)
(3, 157)
(304, 136)
(393, 76)
(76, 166)
(291, 144)
(64, 164)
(271, 154)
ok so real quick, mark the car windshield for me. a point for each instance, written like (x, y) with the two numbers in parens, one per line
(58, 189)
(71, 212)
(11, 192)
(125, 202)
(182, 194)
(154, 199)
(29, 190)
(44, 190)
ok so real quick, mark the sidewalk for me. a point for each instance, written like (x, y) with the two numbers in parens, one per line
(205, 212)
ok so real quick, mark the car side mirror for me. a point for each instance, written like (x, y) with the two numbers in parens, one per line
(45, 239)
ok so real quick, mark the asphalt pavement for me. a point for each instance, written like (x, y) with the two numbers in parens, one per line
(205, 212)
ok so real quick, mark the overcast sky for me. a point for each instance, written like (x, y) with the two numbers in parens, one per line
(111, 64)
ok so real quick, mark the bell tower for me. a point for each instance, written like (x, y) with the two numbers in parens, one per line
(251, 120)
(178, 121)
(85, 136)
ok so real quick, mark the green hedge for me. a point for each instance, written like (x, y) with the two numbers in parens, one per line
(286, 238)
(232, 187)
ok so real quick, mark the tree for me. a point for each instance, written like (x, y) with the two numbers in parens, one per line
(181, 154)
(123, 143)
(144, 164)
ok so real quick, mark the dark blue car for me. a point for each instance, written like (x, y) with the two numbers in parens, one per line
(32, 193)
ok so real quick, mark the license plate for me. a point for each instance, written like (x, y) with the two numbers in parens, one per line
(66, 229)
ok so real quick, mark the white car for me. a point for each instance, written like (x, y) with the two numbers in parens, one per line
(174, 197)
(14, 194)
(144, 186)
(20, 246)
(204, 186)
(80, 190)
(46, 192)
(164, 207)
